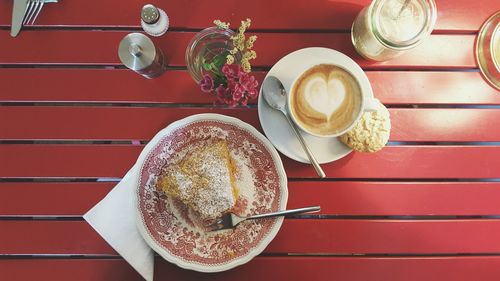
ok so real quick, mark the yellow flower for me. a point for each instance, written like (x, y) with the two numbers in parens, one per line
(221, 24)
(250, 55)
(245, 65)
(251, 41)
(241, 45)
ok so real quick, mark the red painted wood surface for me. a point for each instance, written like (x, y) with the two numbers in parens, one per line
(402, 81)
(95, 161)
(41, 198)
(348, 269)
(300, 14)
(277, 268)
(142, 123)
(104, 85)
(67, 269)
(343, 236)
(335, 198)
(79, 47)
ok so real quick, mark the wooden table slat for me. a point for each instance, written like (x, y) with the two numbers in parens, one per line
(453, 15)
(343, 236)
(79, 47)
(39, 160)
(142, 123)
(347, 269)
(105, 85)
(275, 268)
(335, 198)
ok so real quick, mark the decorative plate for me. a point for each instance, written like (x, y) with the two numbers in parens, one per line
(169, 227)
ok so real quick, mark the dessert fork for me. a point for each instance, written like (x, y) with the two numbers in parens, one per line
(230, 220)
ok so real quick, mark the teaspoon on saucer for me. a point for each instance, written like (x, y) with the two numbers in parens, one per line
(276, 97)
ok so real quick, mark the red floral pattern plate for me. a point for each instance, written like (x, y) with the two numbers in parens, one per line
(170, 228)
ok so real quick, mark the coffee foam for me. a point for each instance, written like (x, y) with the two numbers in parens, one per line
(325, 99)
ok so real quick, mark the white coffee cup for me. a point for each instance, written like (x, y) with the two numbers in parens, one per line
(368, 102)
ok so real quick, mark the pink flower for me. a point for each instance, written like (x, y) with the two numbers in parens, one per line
(207, 84)
(238, 93)
(231, 84)
(244, 100)
(240, 86)
(221, 92)
(248, 82)
(252, 94)
(231, 70)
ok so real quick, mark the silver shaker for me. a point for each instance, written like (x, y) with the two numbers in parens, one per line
(138, 52)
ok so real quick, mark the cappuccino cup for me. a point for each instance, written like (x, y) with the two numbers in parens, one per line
(327, 100)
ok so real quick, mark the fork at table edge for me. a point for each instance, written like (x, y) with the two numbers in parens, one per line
(18, 12)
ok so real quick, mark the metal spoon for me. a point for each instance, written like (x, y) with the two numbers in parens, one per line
(275, 95)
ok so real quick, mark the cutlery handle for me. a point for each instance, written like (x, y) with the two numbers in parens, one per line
(287, 213)
(310, 155)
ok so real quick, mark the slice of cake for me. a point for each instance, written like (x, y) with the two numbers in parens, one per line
(203, 180)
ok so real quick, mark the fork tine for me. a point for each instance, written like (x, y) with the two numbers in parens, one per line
(35, 8)
(29, 11)
(222, 223)
(40, 6)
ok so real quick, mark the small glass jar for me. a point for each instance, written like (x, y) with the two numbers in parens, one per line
(204, 46)
(386, 28)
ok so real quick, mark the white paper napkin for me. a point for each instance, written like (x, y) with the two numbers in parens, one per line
(114, 218)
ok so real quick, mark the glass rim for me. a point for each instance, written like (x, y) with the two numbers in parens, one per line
(197, 38)
(485, 50)
(430, 19)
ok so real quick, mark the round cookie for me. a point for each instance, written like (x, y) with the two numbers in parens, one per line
(371, 132)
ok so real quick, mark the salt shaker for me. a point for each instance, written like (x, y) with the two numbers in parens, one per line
(386, 28)
(154, 21)
(138, 52)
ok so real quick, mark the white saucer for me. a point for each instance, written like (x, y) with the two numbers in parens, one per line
(274, 123)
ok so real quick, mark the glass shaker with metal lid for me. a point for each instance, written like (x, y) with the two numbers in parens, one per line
(387, 28)
(154, 21)
(138, 52)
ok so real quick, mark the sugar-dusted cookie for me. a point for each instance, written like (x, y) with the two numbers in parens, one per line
(371, 132)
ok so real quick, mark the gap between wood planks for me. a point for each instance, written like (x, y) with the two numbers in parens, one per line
(98, 28)
(255, 68)
(296, 217)
(297, 255)
(144, 142)
(211, 106)
(405, 180)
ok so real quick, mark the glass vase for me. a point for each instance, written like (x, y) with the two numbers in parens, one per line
(205, 46)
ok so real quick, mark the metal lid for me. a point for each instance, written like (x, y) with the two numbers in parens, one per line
(150, 14)
(136, 51)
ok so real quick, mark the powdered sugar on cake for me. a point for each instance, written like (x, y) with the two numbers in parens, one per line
(255, 177)
(203, 180)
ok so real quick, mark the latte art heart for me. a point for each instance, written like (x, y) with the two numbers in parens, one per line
(325, 100)
(324, 96)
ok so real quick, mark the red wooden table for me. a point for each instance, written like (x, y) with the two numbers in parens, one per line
(73, 121)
